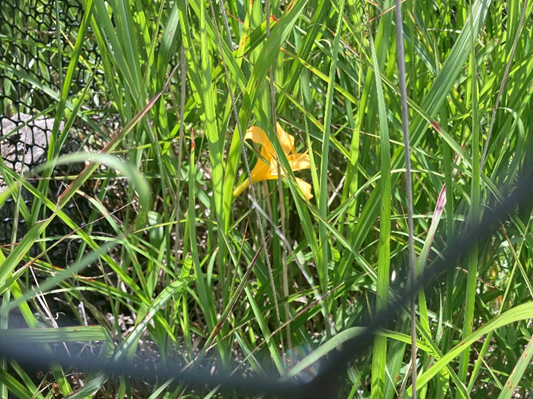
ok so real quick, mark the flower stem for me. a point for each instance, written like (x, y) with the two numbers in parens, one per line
(244, 185)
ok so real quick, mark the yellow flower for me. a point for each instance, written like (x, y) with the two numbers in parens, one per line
(266, 167)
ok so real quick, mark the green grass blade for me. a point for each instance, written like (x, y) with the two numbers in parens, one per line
(521, 312)
(517, 376)
(379, 358)
(324, 163)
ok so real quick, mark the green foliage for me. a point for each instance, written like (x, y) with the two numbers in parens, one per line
(269, 274)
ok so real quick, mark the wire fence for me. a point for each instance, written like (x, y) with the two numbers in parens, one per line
(36, 38)
(35, 55)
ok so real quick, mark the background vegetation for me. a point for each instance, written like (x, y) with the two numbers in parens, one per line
(261, 280)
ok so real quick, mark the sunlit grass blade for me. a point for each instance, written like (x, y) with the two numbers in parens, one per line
(517, 376)
(379, 358)
(518, 313)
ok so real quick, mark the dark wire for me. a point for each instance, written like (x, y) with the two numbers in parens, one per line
(326, 382)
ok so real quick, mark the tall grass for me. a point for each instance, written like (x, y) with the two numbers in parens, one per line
(261, 280)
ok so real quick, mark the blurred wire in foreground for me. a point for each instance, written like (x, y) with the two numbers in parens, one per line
(326, 381)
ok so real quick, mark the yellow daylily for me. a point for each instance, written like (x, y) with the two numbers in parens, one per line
(266, 167)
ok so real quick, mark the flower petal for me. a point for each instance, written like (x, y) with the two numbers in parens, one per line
(305, 187)
(299, 162)
(260, 171)
(257, 135)
(273, 168)
(286, 140)
(266, 167)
